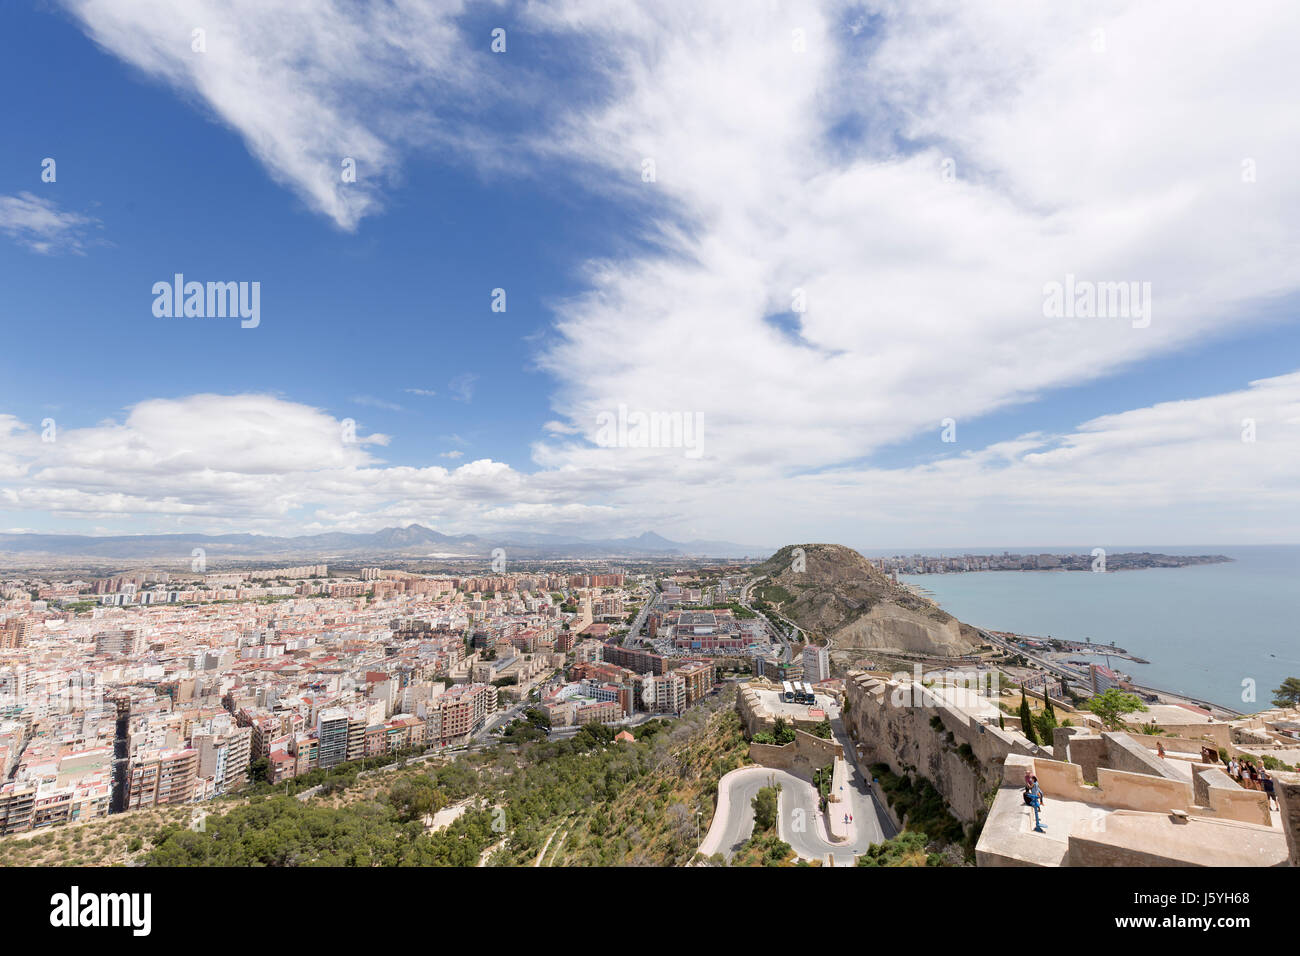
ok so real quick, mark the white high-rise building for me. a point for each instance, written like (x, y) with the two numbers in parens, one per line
(816, 664)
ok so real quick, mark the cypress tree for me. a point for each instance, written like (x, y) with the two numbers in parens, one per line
(1026, 721)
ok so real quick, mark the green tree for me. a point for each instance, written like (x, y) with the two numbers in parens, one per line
(1113, 705)
(414, 799)
(1288, 695)
(764, 804)
(1026, 719)
(538, 717)
(1044, 724)
(782, 733)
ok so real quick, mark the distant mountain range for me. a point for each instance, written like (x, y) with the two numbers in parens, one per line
(413, 541)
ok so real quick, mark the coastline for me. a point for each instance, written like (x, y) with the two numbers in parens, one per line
(1216, 633)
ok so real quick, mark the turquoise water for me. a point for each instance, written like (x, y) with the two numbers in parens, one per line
(1204, 629)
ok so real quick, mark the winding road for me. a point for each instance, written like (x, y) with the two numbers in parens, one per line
(799, 822)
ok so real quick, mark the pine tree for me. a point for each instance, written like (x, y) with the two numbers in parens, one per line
(1288, 695)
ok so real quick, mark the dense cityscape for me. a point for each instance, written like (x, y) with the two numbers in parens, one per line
(150, 688)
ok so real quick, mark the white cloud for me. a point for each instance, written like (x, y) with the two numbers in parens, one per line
(42, 226)
(373, 402)
(308, 84)
(248, 461)
(263, 463)
(462, 387)
(924, 297)
(822, 173)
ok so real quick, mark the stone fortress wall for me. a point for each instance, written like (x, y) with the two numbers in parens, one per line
(893, 722)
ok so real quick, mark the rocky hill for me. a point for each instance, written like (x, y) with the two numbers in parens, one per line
(841, 596)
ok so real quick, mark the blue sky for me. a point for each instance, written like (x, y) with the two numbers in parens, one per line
(797, 150)
(402, 303)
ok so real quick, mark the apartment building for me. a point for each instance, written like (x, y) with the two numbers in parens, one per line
(122, 642)
(332, 734)
(54, 805)
(161, 777)
(640, 661)
(664, 694)
(224, 757)
(14, 633)
(1102, 678)
(602, 711)
(816, 664)
(698, 679)
(464, 709)
(17, 801)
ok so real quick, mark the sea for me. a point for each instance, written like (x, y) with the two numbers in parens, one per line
(1227, 633)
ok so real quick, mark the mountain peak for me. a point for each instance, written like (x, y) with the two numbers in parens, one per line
(651, 537)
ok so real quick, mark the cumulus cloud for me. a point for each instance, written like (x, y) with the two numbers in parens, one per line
(867, 253)
(252, 461)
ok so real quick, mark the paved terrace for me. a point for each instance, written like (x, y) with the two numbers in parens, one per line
(1131, 819)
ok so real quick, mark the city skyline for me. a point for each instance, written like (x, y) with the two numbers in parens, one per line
(881, 253)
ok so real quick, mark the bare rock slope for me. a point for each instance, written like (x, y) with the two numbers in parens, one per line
(841, 596)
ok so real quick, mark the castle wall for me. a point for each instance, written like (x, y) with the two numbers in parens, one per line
(891, 723)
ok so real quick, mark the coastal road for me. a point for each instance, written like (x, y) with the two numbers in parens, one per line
(1081, 677)
(1051, 666)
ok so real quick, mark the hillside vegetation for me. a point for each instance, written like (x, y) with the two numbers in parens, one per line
(587, 800)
